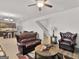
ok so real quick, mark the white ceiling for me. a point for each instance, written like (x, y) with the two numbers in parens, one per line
(19, 8)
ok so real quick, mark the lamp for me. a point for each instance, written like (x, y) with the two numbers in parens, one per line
(40, 3)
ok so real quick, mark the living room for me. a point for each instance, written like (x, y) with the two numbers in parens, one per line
(62, 17)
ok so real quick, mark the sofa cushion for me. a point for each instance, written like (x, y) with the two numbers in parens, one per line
(27, 40)
(27, 35)
(67, 39)
(66, 47)
(65, 42)
(32, 43)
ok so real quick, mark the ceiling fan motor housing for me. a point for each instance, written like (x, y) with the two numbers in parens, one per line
(42, 0)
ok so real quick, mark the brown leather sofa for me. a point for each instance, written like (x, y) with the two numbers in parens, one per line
(67, 41)
(27, 41)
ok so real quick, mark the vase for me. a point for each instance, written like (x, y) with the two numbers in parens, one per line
(46, 40)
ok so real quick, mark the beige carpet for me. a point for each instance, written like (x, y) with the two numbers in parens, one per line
(10, 47)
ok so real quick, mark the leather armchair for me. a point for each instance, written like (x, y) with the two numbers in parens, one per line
(67, 41)
(27, 41)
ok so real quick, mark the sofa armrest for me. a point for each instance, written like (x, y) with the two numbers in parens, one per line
(73, 43)
(59, 41)
(39, 40)
(20, 44)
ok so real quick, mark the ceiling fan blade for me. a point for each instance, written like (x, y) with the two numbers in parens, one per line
(31, 5)
(48, 5)
(40, 9)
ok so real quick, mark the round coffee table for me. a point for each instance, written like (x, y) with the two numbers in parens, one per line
(46, 53)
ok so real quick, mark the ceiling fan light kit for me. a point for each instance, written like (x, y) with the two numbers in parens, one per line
(40, 4)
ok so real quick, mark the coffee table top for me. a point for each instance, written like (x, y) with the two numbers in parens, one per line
(41, 50)
(54, 50)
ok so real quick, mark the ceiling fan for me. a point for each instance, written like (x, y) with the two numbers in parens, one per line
(40, 4)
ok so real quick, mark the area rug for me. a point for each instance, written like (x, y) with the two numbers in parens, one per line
(20, 56)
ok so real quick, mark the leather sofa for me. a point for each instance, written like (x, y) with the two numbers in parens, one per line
(67, 41)
(27, 41)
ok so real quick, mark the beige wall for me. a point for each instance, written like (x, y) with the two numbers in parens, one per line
(64, 21)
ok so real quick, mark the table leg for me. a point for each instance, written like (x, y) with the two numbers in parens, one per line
(35, 55)
(56, 57)
(63, 57)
